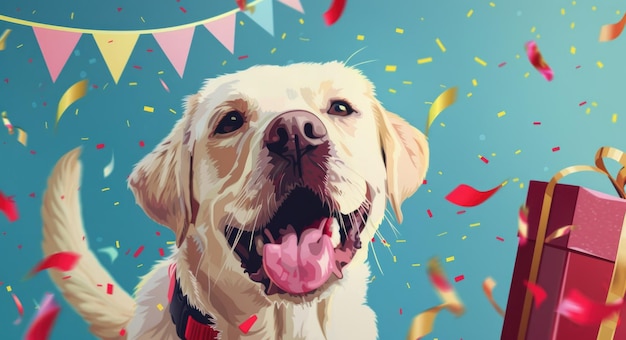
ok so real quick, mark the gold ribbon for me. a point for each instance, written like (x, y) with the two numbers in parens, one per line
(617, 289)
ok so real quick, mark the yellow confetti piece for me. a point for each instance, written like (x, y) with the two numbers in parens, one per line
(301, 21)
(148, 108)
(492, 4)
(521, 185)
(444, 233)
(105, 189)
(140, 265)
(493, 154)
(538, 36)
(142, 20)
(160, 72)
(223, 62)
(71, 95)
(442, 124)
(526, 74)
(533, 29)
(76, 112)
(283, 36)
(480, 61)
(572, 25)
(464, 237)
(407, 82)
(360, 37)
(116, 203)
(440, 44)
(84, 138)
(424, 60)
(172, 111)
(72, 16)
(470, 12)
(450, 259)
(415, 264)
(573, 3)
(304, 39)
(170, 242)
(517, 152)
(399, 30)
(600, 64)
(562, 11)
(3, 39)
(588, 111)
(400, 241)
(46, 124)
(392, 90)
(440, 172)
(469, 94)
(117, 244)
(501, 114)
(614, 118)
(132, 83)
(9, 289)
(516, 179)
(273, 50)
(394, 259)
(517, 56)
(408, 285)
(390, 68)
(572, 50)
(474, 82)
(241, 22)
(443, 101)
(593, 8)
(159, 306)
(474, 225)
(105, 86)
(594, 104)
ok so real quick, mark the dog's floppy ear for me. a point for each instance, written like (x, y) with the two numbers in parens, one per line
(406, 153)
(161, 180)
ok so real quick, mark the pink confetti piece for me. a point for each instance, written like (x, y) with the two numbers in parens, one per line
(459, 278)
(164, 85)
(539, 294)
(485, 160)
(142, 144)
(138, 251)
(243, 57)
(502, 64)
(583, 311)
(430, 213)
(499, 239)
(161, 252)
(556, 148)
(100, 146)
(461, 212)
(122, 332)
(137, 67)
(582, 103)
(400, 311)
(536, 123)
(424, 182)
(41, 327)
(109, 289)
(182, 9)
(536, 59)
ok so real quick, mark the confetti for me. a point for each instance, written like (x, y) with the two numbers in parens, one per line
(3, 39)
(8, 207)
(71, 95)
(560, 233)
(440, 44)
(399, 30)
(138, 251)
(466, 196)
(63, 261)
(246, 325)
(164, 85)
(600, 64)
(110, 251)
(425, 60)
(241, 4)
(148, 109)
(539, 294)
(443, 101)
(502, 64)
(583, 311)
(108, 169)
(390, 68)
(20, 309)
(48, 311)
(470, 12)
(334, 12)
(430, 214)
(459, 278)
(607, 32)
(423, 323)
(100, 146)
(556, 148)
(536, 59)
(488, 285)
(522, 225)
(480, 61)
(7, 122)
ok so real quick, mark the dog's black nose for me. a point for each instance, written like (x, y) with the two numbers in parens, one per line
(294, 133)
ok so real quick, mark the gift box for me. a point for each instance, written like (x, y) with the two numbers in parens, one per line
(589, 258)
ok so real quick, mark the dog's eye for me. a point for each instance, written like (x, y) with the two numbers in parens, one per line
(340, 108)
(231, 122)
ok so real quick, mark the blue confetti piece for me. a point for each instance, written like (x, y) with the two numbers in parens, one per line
(77, 53)
(92, 61)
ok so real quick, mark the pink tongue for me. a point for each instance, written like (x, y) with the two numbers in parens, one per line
(299, 268)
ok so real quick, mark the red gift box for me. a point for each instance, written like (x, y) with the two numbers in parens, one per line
(586, 259)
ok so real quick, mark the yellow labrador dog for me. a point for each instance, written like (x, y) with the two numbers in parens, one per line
(274, 182)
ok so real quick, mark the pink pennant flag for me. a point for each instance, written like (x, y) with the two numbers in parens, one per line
(56, 47)
(176, 45)
(223, 30)
(295, 4)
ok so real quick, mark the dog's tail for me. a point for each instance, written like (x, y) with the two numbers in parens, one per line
(87, 290)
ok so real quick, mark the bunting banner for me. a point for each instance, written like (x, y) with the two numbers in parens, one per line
(116, 46)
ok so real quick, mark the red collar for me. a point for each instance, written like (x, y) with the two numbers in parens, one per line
(191, 324)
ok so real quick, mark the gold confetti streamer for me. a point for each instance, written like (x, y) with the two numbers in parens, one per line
(488, 285)
(3, 39)
(445, 99)
(7, 122)
(612, 31)
(560, 233)
(22, 136)
(74, 93)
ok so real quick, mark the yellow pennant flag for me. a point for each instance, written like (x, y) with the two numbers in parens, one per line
(116, 49)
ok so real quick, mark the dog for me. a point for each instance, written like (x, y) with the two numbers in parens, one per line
(274, 181)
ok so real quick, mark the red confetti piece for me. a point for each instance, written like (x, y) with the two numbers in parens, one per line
(373, 239)
(138, 251)
(536, 59)
(63, 261)
(461, 212)
(578, 66)
(400, 311)
(536, 123)
(430, 213)
(424, 182)
(582, 103)
(501, 64)
(246, 325)
(109, 289)
(8, 207)
(556, 148)
(137, 67)
(466, 196)
(119, 9)
(499, 239)
(127, 252)
(161, 252)
(20, 308)
(538, 293)
(44, 320)
(485, 160)
(243, 57)
(182, 9)
(142, 144)
(158, 233)
(459, 278)
(66, 277)
(583, 311)
(100, 146)
(438, 278)
(334, 12)
(149, 50)
(122, 332)
(241, 4)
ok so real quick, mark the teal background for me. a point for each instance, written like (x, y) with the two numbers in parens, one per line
(496, 34)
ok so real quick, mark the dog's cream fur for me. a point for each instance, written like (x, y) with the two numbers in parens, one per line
(229, 184)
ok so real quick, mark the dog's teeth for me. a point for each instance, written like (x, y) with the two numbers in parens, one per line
(336, 236)
(258, 242)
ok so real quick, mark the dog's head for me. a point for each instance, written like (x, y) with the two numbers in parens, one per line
(277, 177)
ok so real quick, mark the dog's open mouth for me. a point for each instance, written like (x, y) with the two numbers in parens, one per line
(302, 245)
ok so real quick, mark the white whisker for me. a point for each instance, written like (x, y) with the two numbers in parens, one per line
(363, 63)
(353, 54)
